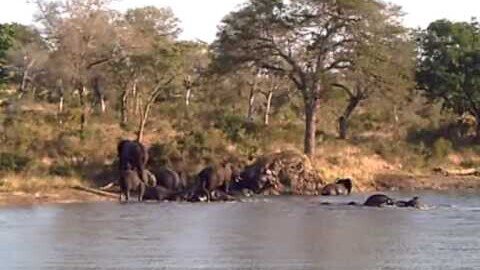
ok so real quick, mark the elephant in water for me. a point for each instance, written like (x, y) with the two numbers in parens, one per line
(130, 181)
(132, 155)
(379, 200)
(414, 202)
(340, 187)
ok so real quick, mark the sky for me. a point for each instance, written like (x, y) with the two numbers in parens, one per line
(199, 18)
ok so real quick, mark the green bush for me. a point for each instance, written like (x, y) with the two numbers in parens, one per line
(233, 126)
(13, 162)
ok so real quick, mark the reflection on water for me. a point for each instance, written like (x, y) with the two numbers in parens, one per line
(273, 233)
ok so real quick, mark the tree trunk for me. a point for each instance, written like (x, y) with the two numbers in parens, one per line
(136, 102)
(151, 100)
(268, 107)
(343, 119)
(311, 106)
(99, 91)
(396, 120)
(143, 119)
(124, 108)
(61, 104)
(187, 83)
(141, 129)
(103, 104)
(188, 95)
(83, 104)
(251, 103)
(25, 78)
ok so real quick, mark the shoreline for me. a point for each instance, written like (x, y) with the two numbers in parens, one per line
(382, 183)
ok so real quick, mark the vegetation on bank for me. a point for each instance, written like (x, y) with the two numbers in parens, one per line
(279, 76)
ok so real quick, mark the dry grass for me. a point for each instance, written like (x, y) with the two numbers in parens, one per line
(343, 160)
(17, 183)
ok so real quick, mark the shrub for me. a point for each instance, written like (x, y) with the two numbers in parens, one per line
(441, 148)
(13, 162)
(232, 125)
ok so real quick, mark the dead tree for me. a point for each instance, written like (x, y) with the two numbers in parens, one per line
(157, 90)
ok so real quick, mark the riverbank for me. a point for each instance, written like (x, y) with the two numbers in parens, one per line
(18, 192)
(21, 190)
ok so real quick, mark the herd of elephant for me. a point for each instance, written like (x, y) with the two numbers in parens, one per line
(216, 182)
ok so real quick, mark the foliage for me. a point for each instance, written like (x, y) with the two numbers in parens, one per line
(449, 65)
(13, 162)
(6, 36)
(310, 42)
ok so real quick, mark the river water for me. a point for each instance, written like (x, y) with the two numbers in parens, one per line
(262, 233)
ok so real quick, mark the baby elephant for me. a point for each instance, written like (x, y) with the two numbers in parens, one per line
(215, 177)
(414, 202)
(130, 181)
(379, 200)
(170, 180)
(340, 187)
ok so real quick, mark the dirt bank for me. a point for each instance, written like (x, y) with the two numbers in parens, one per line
(23, 190)
(67, 195)
(383, 182)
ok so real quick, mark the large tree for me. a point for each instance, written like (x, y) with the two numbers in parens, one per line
(310, 41)
(82, 36)
(449, 66)
(154, 68)
(380, 68)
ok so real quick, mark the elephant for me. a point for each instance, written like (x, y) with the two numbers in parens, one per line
(130, 181)
(340, 187)
(253, 179)
(160, 193)
(170, 180)
(414, 202)
(379, 200)
(217, 176)
(132, 155)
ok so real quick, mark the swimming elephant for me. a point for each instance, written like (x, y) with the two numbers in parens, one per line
(132, 155)
(379, 200)
(414, 202)
(130, 181)
(217, 177)
(170, 180)
(340, 187)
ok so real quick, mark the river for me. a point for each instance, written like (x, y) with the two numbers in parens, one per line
(262, 233)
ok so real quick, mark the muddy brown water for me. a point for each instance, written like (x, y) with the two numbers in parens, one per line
(262, 233)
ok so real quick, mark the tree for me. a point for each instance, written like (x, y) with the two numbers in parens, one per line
(449, 66)
(82, 37)
(195, 59)
(27, 56)
(6, 37)
(310, 41)
(381, 66)
(155, 67)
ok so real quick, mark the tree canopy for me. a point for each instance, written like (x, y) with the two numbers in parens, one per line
(449, 65)
(310, 41)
